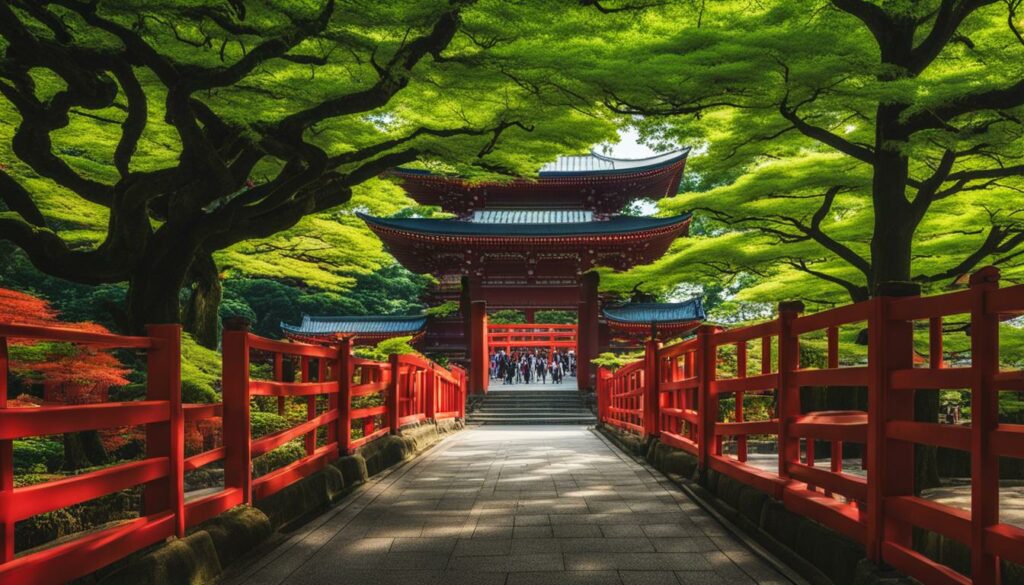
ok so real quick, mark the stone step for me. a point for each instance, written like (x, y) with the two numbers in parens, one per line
(524, 409)
(551, 420)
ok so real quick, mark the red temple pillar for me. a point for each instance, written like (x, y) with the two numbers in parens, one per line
(531, 315)
(479, 357)
(586, 343)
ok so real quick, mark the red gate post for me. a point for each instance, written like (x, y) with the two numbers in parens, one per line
(479, 356)
(651, 397)
(430, 389)
(890, 463)
(235, 391)
(788, 394)
(6, 462)
(166, 439)
(707, 406)
(393, 400)
(984, 420)
(343, 365)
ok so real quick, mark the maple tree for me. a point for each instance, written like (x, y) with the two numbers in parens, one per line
(74, 374)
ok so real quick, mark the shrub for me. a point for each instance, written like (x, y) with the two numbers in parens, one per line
(37, 455)
(278, 458)
(267, 423)
(197, 392)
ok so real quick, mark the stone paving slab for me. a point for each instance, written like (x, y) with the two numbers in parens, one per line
(515, 506)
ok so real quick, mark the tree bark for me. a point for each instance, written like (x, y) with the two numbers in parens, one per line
(200, 317)
(895, 223)
(83, 449)
(154, 289)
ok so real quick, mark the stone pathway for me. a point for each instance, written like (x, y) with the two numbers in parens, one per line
(515, 505)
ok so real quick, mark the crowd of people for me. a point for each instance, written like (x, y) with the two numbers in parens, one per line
(532, 367)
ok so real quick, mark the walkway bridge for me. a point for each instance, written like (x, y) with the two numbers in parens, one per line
(559, 504)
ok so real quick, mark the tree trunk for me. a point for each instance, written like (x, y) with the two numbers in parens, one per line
(200, 316)
(891, 251)
(155, 287)
(83, 449)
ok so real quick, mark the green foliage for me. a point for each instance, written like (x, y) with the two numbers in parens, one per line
(267, 423)
(614, 361)
(278, 458)
(194, 392)
(383, 350)
(37, 455)
(506, 317)
(795, 114)
(391, 290)
(445, 309)
(200, 371)
(183, 115)
(555, 316)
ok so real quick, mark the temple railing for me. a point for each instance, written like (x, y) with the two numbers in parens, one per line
(674, 394)
(549, 336)
(336, 408)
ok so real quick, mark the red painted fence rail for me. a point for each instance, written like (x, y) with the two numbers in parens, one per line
(329, 378)
(674, 393)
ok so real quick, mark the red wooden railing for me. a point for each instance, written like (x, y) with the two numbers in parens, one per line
(531, 336)
(422, 390)
(674, 393)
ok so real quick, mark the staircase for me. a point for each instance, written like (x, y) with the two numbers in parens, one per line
(524, 405)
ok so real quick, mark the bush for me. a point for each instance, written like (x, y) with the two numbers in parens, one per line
(197, 392)
(278, 458)
(37, 455)
(267, 423)
(384, 349)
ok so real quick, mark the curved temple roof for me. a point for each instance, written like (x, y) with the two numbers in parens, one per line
(591, 182)
(357, 325)
(598, 164)
(455, 227)
(647, 313)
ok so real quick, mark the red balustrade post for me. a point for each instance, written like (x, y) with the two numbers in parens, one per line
(741, 372)
(461, 394)
(890, 464)
(166, 439)
(310, 438)
(279, 377)
(984, 421)
(343, 364)
(235, 391)
(707, 405)
(651, 396)
(393, 399)
(431, 388)
(6, 461)
(787, 392)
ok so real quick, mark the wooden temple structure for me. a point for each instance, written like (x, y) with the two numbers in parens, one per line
(529, 245)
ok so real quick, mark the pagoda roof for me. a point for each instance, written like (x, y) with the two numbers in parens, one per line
(599, 164)
(456, 227)
(387, 325)
(592, 182)
(647, 313)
